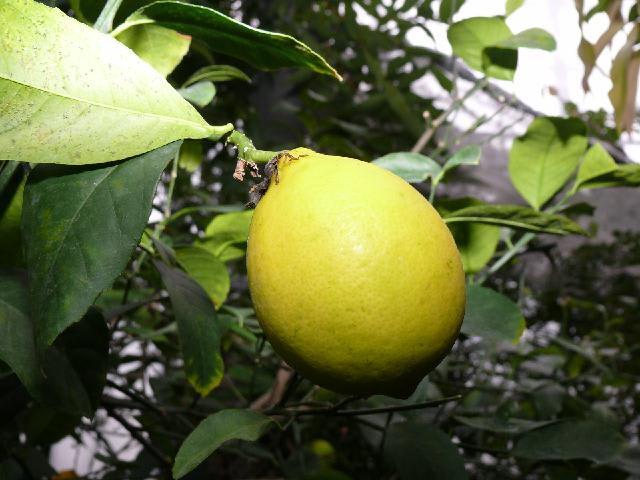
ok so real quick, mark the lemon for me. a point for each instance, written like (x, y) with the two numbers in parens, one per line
(355, 278)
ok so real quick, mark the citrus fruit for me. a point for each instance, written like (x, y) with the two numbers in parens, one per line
(355, 278)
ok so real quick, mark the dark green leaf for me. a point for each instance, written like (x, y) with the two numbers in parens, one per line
(412, 167)
(512, 426)
(543, 159)
(17, 346)
(217, 73)
(262, 49)
(470, 37)
(10, 213)
(80, 226)
(448, 8)
(492, 316)
(590, 439)
(421, 451)
(199, 329)
(206, 269)
(214, 431)
(516, 217)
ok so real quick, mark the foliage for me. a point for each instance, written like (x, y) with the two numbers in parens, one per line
(123, 296)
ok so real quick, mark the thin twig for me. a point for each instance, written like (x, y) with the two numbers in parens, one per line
(363, 411)
(135, 433)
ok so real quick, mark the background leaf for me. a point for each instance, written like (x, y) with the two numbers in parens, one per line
(422, 451)
(596, 163)
(217, 73)
(412, 167)
(80, 226)
(543, 159)
(513, 5)
(262, 49)
(17, 346)
(160, 47)
(516, 217)
(226, 233)
(214, 431)
(206, 269)
(91, 100)
(198, 326)
(591, 439)
(531, 38)
(200, 94)
(492, 316)
(471, 36)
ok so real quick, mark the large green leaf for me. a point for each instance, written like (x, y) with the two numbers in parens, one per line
(410, 166)
(90, 99)
(260, 48)
(160, 47)
(80, 226)
(475, 39)
(17, 346)
(492, 316)
(206, 269)
(421, 451)
(590, 439)
(516, 217)
(215, 430)
(198, 326)
(543, 159)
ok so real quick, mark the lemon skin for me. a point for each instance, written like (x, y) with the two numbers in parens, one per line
(355, 278)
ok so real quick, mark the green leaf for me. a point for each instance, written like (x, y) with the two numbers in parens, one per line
(412, 167)
(448, 8)
(470, 37)
(199, 329)
(512, 6)
(531, 38)
(421, 451)
(512, 426)
(200, 94)
(590, 439)
(623, 176)
(10, 214)
(492, 316)
(543, 159)
(476, 242)
(217, 73)
(214, 431)
(469, 155)
(160, 47)
(80, 226)
(86, 346)
(260, 48)
(225, 233)
(516, 217)
(91, 99)
(206, 269)
(190, 155)
(596, 163)
(17, 346)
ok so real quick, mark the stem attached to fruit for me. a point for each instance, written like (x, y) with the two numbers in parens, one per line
(247, 151)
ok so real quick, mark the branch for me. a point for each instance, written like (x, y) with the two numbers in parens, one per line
(139, 437)
(450, 64)
(363, 411)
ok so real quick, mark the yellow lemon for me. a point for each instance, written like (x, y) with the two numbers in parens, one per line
(354, 276)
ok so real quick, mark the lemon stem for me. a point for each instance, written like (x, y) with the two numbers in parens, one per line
(247, 151)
